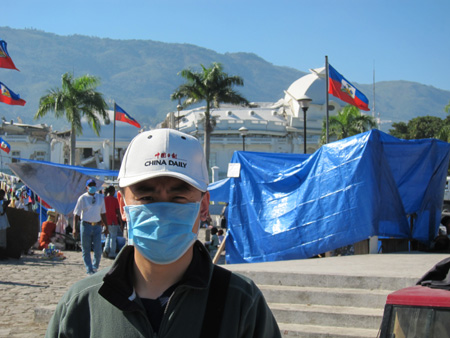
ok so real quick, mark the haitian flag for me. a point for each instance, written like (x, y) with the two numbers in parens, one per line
(4, 145)
(121, 115)
(5, 59)
(7, 96)
(344, 90)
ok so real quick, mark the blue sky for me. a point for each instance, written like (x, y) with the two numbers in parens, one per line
(402, 39)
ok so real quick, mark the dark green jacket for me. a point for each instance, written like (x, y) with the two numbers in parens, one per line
(105, 305)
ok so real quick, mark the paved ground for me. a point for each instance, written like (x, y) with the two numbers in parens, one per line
(30, 282)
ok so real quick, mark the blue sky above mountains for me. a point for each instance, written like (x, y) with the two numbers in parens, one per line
(403, 40)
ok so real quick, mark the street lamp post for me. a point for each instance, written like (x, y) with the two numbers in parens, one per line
(243, 131)
(304, 102)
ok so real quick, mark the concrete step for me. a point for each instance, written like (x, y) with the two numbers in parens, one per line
(335, 296)
(324, 296)
(315, 331)
(329, 280)
(325, 315)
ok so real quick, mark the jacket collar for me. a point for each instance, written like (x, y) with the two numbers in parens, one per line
(118, 287)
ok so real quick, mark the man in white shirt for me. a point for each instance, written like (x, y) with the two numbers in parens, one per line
(91, 210)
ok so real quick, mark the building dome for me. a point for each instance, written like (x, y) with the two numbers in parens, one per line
(312, 85)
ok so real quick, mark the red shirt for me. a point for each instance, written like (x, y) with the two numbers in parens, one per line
(111, 205)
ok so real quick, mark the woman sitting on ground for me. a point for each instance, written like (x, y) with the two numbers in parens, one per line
(48, 230)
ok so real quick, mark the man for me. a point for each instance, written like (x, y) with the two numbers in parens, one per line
(114, 222)
(90, 208)
(164, 284)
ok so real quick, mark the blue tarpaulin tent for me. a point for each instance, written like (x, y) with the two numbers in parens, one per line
(59, 185)
(220, 191)
(290, 206)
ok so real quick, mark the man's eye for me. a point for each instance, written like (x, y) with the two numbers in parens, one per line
(146, 198)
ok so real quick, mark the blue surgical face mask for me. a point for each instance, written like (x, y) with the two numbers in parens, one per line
(92, 189)
(162, 232)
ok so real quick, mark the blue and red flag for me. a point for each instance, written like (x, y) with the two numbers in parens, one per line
(4, 145)
(344, 90)
(5, 59)
(121, 115)
(9, 97)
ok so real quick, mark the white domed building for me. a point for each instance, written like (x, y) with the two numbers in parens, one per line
(270, 126)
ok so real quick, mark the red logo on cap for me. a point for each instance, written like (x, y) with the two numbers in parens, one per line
(166, 155)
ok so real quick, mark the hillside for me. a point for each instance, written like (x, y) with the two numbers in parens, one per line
(140, 76)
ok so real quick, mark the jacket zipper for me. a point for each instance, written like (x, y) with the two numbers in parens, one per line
(166, 309)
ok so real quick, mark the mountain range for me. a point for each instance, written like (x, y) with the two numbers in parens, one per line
(140, 75)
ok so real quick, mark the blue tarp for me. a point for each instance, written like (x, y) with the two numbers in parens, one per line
(290, 206)
(58, 185)
(84, 170)
(219, 191)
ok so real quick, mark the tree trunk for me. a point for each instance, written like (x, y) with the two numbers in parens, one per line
(72, 145)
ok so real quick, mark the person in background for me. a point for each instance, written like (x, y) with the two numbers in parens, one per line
(47, 230)
(114, 221)
(19, 201)
(223, 217)
(4, 224)
(220, 236)
(213, 244)
(164, 284)
(90, 208)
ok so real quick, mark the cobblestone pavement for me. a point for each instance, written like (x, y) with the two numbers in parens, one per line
(32, 282)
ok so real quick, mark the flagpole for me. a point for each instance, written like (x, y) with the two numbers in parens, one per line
(114, 139)
(326, 95)
(373, 105)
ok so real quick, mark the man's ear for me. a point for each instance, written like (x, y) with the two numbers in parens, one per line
(204, 207)
(121, 200)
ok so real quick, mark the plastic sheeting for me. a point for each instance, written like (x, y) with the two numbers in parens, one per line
(57, 184)
(288, 206)
(219, 191)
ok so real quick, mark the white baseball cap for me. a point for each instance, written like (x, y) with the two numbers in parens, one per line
(164, 152)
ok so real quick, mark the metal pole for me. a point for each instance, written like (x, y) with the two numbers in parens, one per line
(304, 129)
(114, 140)
(243, 142)
(326, 95)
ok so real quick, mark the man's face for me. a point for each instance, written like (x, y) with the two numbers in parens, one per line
(164, 189)
(90, 185)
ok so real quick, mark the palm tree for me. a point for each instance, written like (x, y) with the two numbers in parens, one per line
(348, 122)
(444, 132)
(213, 86)
(75, 99)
